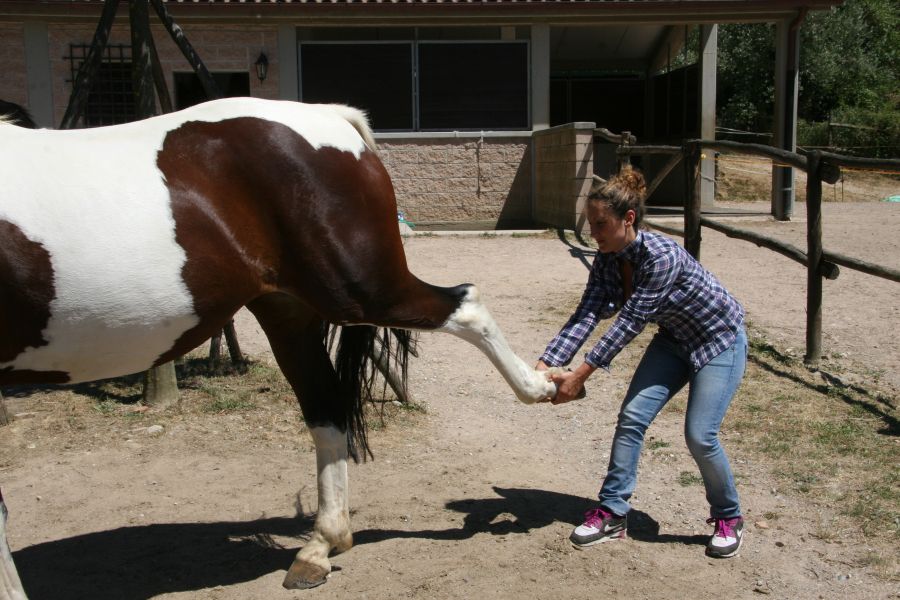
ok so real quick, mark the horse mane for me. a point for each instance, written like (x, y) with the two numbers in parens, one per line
(359, 120)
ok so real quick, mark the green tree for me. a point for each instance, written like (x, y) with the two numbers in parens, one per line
(849, 69)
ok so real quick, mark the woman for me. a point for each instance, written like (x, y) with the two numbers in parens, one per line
(701, 341)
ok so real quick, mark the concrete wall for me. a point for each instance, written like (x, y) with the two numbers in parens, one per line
(474, 181)
(563, 169)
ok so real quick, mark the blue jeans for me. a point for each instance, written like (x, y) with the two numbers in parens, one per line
(663, 371)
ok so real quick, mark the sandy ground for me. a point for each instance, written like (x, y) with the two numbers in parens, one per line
(473, 498)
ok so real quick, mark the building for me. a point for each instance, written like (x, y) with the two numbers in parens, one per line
(485, 110)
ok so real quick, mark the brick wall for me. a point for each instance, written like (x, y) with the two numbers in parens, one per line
(220, 48)
(440, 180)
(563, 171)
(13, 83)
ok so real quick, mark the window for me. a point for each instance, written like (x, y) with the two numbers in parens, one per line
(473, 85)
(189, 90)
(111, 98)
(376, 77)
(429, 82)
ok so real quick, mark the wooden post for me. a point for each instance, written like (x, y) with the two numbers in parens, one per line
(691, 200)
(206, 80)
(234, 349)
(159, 78)
(85, 77)
(161, 386)
(814, 256)
(141, 68)
(4, 414)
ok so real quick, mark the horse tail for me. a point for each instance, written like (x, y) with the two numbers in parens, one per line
(359, 349)
(359, 120)
(14, 114)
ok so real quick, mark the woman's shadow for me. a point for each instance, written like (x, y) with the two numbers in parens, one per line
(136, 563)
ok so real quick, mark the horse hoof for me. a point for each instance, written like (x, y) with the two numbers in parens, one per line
(304, 575)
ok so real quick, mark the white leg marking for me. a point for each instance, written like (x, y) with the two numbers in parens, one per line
(332, 528)
(473, 323)
(10, 585)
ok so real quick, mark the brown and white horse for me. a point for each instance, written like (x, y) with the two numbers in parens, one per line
(124, 247)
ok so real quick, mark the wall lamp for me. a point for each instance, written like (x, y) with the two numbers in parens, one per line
(262, 67)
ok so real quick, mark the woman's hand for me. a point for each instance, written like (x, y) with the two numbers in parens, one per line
(570, 384)
(540, 366)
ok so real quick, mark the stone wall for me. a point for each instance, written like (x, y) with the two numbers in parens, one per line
(563, 158)
(445, 180)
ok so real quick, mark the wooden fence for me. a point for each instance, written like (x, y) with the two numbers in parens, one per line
(820, 263)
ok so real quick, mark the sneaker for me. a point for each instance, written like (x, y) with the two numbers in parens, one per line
(727, 538)
(599, 526)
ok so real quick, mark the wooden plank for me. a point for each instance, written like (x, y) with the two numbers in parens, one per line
(674, 160)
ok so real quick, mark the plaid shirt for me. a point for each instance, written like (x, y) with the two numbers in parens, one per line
(670, 288)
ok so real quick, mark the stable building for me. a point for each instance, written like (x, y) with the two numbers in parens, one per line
(486, 112)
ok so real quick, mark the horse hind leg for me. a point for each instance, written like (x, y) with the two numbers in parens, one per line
(10, 585)
(295, 335)
(460, 311)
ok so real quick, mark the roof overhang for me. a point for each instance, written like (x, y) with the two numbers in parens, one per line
(447, 12)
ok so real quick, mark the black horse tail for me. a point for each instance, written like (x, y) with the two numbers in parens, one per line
(360, 351)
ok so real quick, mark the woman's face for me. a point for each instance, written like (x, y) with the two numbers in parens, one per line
(609, 231)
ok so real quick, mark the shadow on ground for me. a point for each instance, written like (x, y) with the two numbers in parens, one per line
(137, 563)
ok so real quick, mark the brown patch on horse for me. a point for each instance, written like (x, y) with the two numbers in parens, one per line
(258, 209)
(25, 292)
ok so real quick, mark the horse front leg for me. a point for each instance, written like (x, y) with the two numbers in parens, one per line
(10, 585)
(332, 528)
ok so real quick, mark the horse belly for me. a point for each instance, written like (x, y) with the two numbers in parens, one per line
(118, 300)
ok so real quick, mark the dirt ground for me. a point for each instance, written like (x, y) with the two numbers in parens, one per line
(474, 496)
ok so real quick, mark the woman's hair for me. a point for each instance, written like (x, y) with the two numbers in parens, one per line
(624, 191)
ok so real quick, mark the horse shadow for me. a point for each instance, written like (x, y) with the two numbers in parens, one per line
(128, 389)
(141, 562)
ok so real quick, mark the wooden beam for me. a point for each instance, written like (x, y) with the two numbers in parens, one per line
(88, 70)
(177, 34)
(141, 67)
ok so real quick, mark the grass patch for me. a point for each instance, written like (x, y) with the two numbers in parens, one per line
(657, 444)
(688, 478)
(835, 445)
